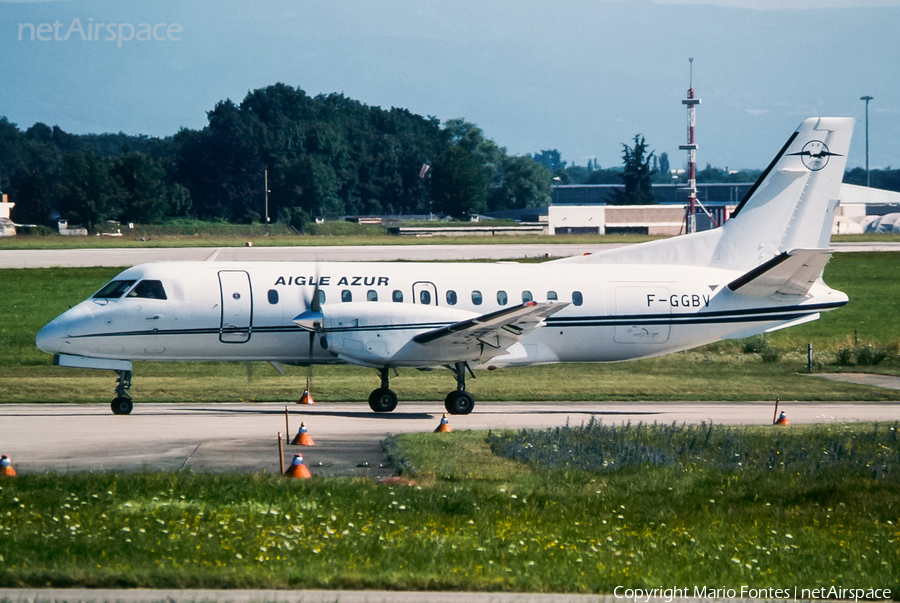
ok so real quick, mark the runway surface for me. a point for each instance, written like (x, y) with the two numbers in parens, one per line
(223, 437)
(47, 258)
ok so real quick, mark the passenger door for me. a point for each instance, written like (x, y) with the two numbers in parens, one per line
(425, 293)
(237, 306)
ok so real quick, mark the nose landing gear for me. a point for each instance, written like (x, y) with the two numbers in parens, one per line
(123, 405)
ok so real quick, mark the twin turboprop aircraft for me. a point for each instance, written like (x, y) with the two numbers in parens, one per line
(761, 271)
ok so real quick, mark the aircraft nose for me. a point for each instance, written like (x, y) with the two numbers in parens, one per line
(51, 337)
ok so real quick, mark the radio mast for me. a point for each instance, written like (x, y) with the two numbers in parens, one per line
(691, 148)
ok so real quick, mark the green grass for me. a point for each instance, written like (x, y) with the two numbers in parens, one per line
(476, 520)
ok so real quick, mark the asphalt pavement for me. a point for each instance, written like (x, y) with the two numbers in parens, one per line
(131, 256)
(243, 437)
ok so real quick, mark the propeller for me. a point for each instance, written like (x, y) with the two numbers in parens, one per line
(311, 320)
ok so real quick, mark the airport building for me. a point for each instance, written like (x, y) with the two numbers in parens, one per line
(588, 209)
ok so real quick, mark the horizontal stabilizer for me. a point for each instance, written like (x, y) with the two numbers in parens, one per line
(791, 273)
(498, 330)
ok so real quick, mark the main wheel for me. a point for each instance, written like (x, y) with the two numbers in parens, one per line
(459, 403)
(122, 406)
(383, 400)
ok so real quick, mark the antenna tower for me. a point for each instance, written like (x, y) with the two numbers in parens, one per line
(691, 148)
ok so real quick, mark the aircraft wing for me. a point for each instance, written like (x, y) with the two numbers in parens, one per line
(791, 273)
(497, 330)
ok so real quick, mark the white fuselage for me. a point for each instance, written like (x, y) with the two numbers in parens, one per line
(244, 311)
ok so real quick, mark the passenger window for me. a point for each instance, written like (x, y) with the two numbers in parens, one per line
(148, 290)
(346, 295)
(451, 297)
(321, 297)
(502, 298)
(397, 296)
(551, 296)
(113, 290)
(273, 296)
(527, 297)
(425, 297)
(577, 299)
(476, 298)
(372, 295)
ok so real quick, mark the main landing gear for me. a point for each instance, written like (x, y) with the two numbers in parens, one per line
(458, 402)
(123, 405)
(383, 399)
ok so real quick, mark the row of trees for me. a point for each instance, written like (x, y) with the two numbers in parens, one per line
(326, 155)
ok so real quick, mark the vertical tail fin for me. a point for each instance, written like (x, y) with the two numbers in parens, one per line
(792, 204)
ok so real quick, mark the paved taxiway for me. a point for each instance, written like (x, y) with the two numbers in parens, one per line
(221, 437)
(123, 257)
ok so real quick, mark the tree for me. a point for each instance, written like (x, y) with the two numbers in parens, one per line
(577, 174)
(91, 196)
(636, 175)
(484, 152)
(143, 192)
(525, 184)
(220, 165)
(457, 184)
(550, 159)
(664, 164)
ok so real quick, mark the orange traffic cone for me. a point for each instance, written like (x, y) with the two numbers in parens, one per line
(782, 419)
(302, 438)
(6, 469)
(444, 427)
(306, 398)
(297, 468)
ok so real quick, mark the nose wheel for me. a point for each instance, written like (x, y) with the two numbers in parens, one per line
(123, 405)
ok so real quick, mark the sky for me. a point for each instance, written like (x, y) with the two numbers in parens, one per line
(579, 76)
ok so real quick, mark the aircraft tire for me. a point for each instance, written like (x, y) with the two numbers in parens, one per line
(122, 406)
(383, 400)
(459, 402)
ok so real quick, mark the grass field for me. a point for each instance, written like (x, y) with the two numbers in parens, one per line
(695, 506)
(723, 371)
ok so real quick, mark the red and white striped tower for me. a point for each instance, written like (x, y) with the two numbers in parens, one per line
(691, 148)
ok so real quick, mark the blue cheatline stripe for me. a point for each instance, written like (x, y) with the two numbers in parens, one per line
(749, 315)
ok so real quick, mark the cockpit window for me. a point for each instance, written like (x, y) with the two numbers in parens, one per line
(113, 290)
(149, 290)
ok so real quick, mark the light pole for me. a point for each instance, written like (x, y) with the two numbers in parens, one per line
(266, 186)
(867, 98)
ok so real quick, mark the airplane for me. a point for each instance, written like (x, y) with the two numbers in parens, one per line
(759, 272)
